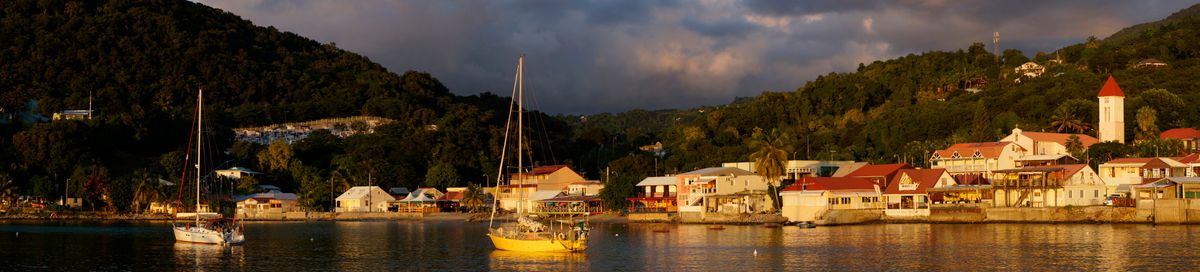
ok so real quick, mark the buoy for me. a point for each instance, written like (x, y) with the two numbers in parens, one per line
(310, 239)
(18, 234)
(756, 252)
(617, 234)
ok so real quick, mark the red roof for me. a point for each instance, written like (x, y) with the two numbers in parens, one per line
(925, 179)
(1060, 138)
(1130, 160)
(1070, 169)
(832, 184)
(452, 196)
(1190, 158)
(878, 170)
(967, 150)
(1110, 88)
(1180, 133)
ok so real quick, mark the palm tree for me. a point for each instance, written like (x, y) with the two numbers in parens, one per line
(1064, 120)
(474, 197)
(145, 192)
(1146, 119)
(8, 190)
(769, 158)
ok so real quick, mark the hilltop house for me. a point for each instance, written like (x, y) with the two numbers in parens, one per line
(236, 172)
(363, 199)
(1189, 137)
(906, 195)
(1150, 63)
(1030, 70)
(810, 198)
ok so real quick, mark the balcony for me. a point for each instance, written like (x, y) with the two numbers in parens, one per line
(655, 195)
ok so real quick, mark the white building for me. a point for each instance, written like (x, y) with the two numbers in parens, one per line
(1112, 112)
(364, 199)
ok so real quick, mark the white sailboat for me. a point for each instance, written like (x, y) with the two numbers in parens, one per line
(528, 235)
(205, 228)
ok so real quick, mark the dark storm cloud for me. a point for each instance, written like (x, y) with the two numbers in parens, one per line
(594, 56)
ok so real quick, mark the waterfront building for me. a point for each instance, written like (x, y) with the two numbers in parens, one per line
(363, 199)
(656, 195)
(541, 180)
(907, 194)
(272, 204)
(569, 205)
(585, 188)
(880, 174)
(796, 169)
(723, 190)
(809, 199)
(421, 200)
(1133, 171)
(976, 161)
(1047, 186)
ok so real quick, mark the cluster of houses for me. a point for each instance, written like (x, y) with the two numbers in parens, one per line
(292, 132)
(1023, 169)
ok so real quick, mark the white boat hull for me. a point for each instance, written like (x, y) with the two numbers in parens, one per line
(200, 235)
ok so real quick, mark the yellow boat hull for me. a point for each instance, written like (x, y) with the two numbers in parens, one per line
(502, 243)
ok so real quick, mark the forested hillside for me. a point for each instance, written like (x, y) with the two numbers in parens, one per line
(141, 64)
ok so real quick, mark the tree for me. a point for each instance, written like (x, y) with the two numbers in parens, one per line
(624, 173)
(247, 184)
(1069, 116)
(1075, 147)
(769, 158)
(1147, 129)
(1100, 153)
(8, 190)
(146, 190)
(474, 197)
(276, 157)
(442, 175)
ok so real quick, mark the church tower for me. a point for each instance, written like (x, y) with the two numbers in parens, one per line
(1112, 112)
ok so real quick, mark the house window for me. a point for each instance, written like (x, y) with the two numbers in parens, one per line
(1096, 193)
(833, 201)
(1070, 194)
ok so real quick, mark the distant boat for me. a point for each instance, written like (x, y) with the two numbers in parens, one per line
(771, 225)
(806, 225)
(529, 235)
(205, 228)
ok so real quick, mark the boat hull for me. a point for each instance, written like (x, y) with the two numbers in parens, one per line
(519, 245)
(200, 235)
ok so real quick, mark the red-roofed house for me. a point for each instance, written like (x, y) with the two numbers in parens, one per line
(906, 194)
(810, 198)
(545, 179)
(1047, 186)
(1045, 143)
(880, 174)
(976, 159)
(1133, 171)
(1189, 137)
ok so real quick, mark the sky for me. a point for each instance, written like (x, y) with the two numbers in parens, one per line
(592, 56)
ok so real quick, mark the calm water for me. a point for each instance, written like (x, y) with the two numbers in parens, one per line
(388, 246)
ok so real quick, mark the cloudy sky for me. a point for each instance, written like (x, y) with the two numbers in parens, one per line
(591, 56)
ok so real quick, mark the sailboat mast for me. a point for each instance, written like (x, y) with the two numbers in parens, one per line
(199, 133)
(504, 147)
(521, 130)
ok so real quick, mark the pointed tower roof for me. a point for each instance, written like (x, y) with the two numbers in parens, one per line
(1110, 88)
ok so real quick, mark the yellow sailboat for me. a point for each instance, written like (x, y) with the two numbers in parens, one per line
(528, 235)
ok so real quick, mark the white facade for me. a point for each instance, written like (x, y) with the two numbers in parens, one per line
(364, 199)
(1112, 119)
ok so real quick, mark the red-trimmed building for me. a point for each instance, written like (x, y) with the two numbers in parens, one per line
(1189, 137)
(880, 174)
(810, 198)
(907, 194)
(976, 161)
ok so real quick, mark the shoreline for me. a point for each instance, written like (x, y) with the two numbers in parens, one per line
(1085, 215)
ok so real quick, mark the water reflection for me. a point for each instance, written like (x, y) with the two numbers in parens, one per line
(501, 260)
(209, 257)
